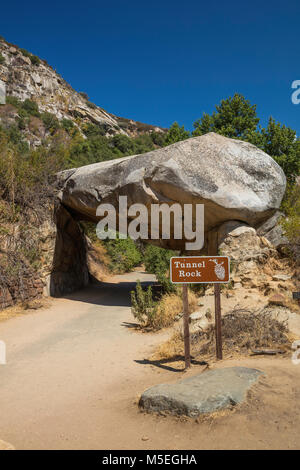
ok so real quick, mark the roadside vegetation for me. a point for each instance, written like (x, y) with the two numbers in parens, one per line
(244, 332)
(160, 309)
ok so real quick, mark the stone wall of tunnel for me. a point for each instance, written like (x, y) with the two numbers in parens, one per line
(69, 270)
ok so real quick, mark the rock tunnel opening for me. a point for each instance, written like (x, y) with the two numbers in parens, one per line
(70, 269)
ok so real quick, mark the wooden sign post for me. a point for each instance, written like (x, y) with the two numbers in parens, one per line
(218, 322)
(186, 327)
(200, 270)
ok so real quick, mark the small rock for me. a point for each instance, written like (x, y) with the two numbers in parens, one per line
(195, 316)
(281, 277)
(178, 316)
(202, 324)
(277, 299)
(145, 438)
(240, 230)
(237, 285)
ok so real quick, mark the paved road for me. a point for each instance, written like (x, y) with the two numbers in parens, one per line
(75, 371)
(67, 364)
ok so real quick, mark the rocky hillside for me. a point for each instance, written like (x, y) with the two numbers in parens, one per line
(28, 77)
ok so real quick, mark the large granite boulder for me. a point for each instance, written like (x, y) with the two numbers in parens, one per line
(234, 179)
(203, 393)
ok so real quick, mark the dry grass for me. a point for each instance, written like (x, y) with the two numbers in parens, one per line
(101, 252)
(292, 305)
(273, 265)
(98, 260)
(24, 308)
(171, 348)
(242, 331)
(169, 306)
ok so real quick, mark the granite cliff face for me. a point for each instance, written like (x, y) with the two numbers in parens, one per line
(27, 77)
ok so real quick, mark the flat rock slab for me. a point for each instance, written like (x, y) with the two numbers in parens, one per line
(204, 393)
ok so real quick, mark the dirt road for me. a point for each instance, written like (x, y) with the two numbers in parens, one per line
(74, 372)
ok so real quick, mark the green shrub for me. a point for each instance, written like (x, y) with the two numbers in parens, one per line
(50, 121)
(123, 143)
(143, 144)
(31, 107)
(21, 123)
(176, 134)
(143, 306)
(84, 95)
(2, 59)
(25, 52)
(24, 173)
(35, 60)
(291, 207)
(13, 101)
(92, 130)
(158, 138)
(124, 254)
(67, 125)
(159, 314)
(157, 261)
(91, 105)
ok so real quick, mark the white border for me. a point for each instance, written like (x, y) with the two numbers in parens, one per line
(199, 282)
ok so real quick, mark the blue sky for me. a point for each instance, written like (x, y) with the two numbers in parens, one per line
(162, 61)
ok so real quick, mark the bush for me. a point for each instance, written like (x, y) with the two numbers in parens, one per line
(291, 207)
(35, 60)
(25, 173)
(91, 130)
(157, 261)
(2, 59)
(160, 314)
(158, 138)
(25, 52)
(91, 105)
(124, 255)
(67, 124)
(31, 107)
(84, 95)
(123, 143)
(143, 306)
(50, 121)
(143, 144)
(242, 331)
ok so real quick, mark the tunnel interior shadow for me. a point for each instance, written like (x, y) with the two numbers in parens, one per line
(107, 293)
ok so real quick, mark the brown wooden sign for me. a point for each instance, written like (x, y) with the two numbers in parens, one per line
(199, 269)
